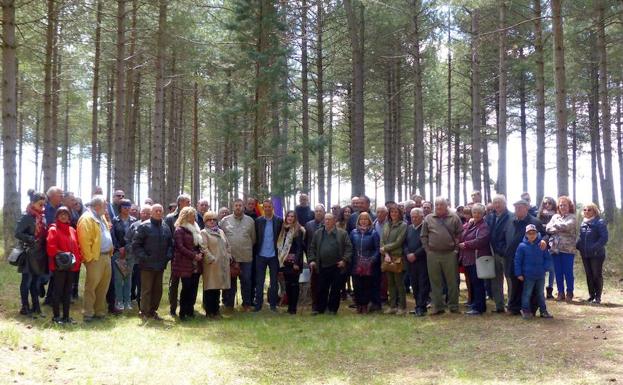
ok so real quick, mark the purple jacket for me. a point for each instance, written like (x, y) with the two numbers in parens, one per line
(476, 238)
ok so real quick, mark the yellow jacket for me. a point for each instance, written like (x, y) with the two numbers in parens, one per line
(90, 236)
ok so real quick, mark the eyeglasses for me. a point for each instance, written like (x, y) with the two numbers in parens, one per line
(210, 219)
(587, 209)
(120, 196)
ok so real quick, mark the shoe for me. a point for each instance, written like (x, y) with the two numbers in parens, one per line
(550, 291)
(569, 297)
(526, 314)
(590, 299)
(473, 312)
(420, 313)
(401, 312)
(437, 312)
(454, 311)
(374, 308)
(69, 321)
(157, 317)
(24, 311)
(99, 317)
(352, 306)
(560, 297)
(57, 320)
(545, 314)
(499, 311)
(597, 301)
(37, 313)
(128, 306)
(273, 309)
(391, 310)
(88, 318)
(314, 312)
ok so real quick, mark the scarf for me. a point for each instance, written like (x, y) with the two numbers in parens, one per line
(363, 229)
(39, 221)
(586, 220)
(195, 231)
(214, 228)
(284, 243)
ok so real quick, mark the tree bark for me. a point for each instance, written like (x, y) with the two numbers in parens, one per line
(109, 133)
(502, 75)
(65, 151)
(620, 142)
(450, 133)
(562, 157)
(593, 119)
(49, 141)
(457, 165)
(305, 98)
(320, 100)
(388, 142)
(156, 191)
(95, 166)
(540, 102)
(132, 103)
(419, 176)
(195, 144)
(120, 161)
(476, 112)
(523, 124)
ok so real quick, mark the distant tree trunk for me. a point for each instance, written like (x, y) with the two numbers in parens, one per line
(450, 133)
(431, 160)
(49, 141)
(132, 134)
(457, 165)
(195, 144)
(464, 169)
(593, 119)
(438, 161)
(11, 200)
(330, 146)
(562, 157)
(37, 145)
(476, 113)
(120, 162)
(608, 187)
(620, 141)
(65, 151)
(396, 108)
(389, 166)
(502, 76)
(172, 164)
(540, 102)
(320, 99)
(132, 104)
(56, 88)
(523, 125)
(20, 134)
(419, 177)
(139, 151)
(95, 148)
(486, 192)
(156, 191)
(305, 98)
(356, 33)
(574, 148)
(109, 134)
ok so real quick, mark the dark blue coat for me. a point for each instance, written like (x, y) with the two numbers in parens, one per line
(153, 245)
(413, 242)
(516, 230)
(497, 227)
(531, 261)
(593, 239)
(366, 244)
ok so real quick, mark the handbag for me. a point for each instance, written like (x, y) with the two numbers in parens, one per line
(290, 259)
(395, 266)
(17, 256)
(485, 266)
(234, 269)
(64, 261)
(364, 266)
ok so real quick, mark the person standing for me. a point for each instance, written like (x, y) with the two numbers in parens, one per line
(183, 200)
(135, 290)
(563, 233)
(366, 244)
(497, 222)
(202, 207)
(113, 209)
(239, 230)
(53, 202)
(250, 208)
(592, 246)
(216, 264)
(304, 213)
(31, 232)
(440, 233)
(96, 246)
(290, 248)
(544, 214)
(392, 241)
(122, 265)
(329, 254)
(267, 229)
(417, 265)
(153, 245)
(62, 238)
(187, 259)
(310, 229)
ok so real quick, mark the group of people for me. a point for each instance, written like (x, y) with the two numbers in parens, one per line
(416, 246)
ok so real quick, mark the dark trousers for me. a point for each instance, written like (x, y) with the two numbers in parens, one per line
(174, 283)
(246, 289)
(594, 277)
(479, 294)
(329, 286)
(260, 275)
(30, 284)
(75, 284)
(135, 290)
(362, 287)
(188, 296)
(375, 298)
(210, 301)
(418, 275)
(313, 286)
(63, 282)
(110, 294)
(151, 291)
(292, 291)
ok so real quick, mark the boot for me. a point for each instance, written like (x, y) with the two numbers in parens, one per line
(359, 309)
(550, 291)
(569, 297)
(364, 309)
(560, 297)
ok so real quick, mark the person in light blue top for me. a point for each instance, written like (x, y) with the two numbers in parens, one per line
(266, 227)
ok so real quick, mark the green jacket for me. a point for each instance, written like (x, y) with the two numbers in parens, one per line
(394, 237)
(344, 252)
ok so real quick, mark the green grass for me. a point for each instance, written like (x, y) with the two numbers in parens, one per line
(271, 348)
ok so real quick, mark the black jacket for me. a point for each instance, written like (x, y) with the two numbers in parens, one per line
(516, 230)
(413, 243)
(593, 239)
(153, 245)
(497, 227)
(36, 260)
(118, 231)
(310, 228)
(260, 227)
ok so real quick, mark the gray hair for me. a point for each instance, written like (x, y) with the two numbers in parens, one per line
(416, 210)
(98, 200)
(320, 206)
(441, 199)
(478, 207)
(499, 198)
(182, 197)
(54, 190)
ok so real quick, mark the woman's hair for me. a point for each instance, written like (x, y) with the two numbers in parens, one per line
(296, 226)
(479, 207)
(340, 217)
(594, 207)
(35, 196)
(566, 199)
(365, 215)
(185, 214)
(547, 200)
(397, 208)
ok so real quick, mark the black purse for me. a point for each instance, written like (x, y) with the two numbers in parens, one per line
(64, 261)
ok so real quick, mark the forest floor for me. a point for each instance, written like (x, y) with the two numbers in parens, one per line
(582, 345)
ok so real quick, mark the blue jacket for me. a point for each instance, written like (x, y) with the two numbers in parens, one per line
(531, 261)
(497, 227)
(366, 244)
(593, 239)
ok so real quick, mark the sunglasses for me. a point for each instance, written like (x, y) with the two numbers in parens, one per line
(210, 219)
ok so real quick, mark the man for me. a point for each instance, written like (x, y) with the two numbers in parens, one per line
(335, 210)
(417, 200)
(304, 214)
(310, 229)
(153, 245)
(183, 200)
(416, 256)
(115, 207)
(379, 280)
(440, 233)
(240, 232)
(120, 226)
(329, 254)
(135, 211)
(267, 229)
(148, 201)
(203, 206)
(96, 246)
(497, 222)
(249, 208)
(514, 233)
(408, 206)
(135, 290)
(427, 208)
(223, 212)
(476, 198)
(363, 204)
(533, 209)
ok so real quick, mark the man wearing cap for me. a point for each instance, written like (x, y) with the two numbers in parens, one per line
(513, 235)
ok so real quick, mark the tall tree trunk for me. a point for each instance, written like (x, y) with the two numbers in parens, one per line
(20, 132)
(305, 98)
(457, 165)
(132, 134)
(523, 125)
(593, 119)
(172, 164)
(419, 177)
(132, 103)
(431, 160)
(320, 100)
(330, 146)
(65, 151)
(195, 143)
(95, 166)
(620, 142)
(37, 143)
(476, 112)
(450, 133)
(608, 187)
(562, 157)
(540, 102)
(396, 109)
(574, 148)
(120, 162)
(109, 134)
(389, 166)
(11, 200)
(49, 141)
(356, 33)
(56, 87)
(156, 191)
(502, 75)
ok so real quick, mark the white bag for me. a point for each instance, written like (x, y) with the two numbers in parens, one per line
(485, 266)
(305, 276)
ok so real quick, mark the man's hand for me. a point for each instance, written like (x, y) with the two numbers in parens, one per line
(411, 257)
(543, 245)
(462, 245)
(388, 259)
(520, 278)
(312, 266)
(198, 257)
(341, 264)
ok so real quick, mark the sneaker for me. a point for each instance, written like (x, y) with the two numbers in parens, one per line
(401, 311)
(128, 306)
(69, 321)
(420, 313)
(526, 314)
(391, 310)
(473, 312)
(57, 320)
(545, 314)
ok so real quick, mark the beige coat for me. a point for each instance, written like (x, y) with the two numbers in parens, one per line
(216, 257)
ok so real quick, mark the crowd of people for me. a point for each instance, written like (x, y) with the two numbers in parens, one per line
(417, 246)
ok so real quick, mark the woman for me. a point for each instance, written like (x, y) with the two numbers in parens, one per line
(342, 220)
(475, 243)
(394, 232)
(187, 257)
(466, 216)
(591, 244)
(546, 212)
(31, 231)
(366, 242)
(216, 260)
(563, 234)
(290, 246)
(62, 238)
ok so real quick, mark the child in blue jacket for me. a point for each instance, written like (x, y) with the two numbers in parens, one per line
(531, 263)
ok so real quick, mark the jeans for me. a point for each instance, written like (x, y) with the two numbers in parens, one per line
(246, 290)
(529, 286)
(63, 282)
(551, 274)
(29, 284)
(479, 296)
(594, 277)
(272, 264)
(329, 285)
(123, 286)
(420, 285)
(397, 292)
(563, 266)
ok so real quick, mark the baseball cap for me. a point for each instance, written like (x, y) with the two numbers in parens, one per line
(530, 228)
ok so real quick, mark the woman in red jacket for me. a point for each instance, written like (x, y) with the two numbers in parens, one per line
(62, 238)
